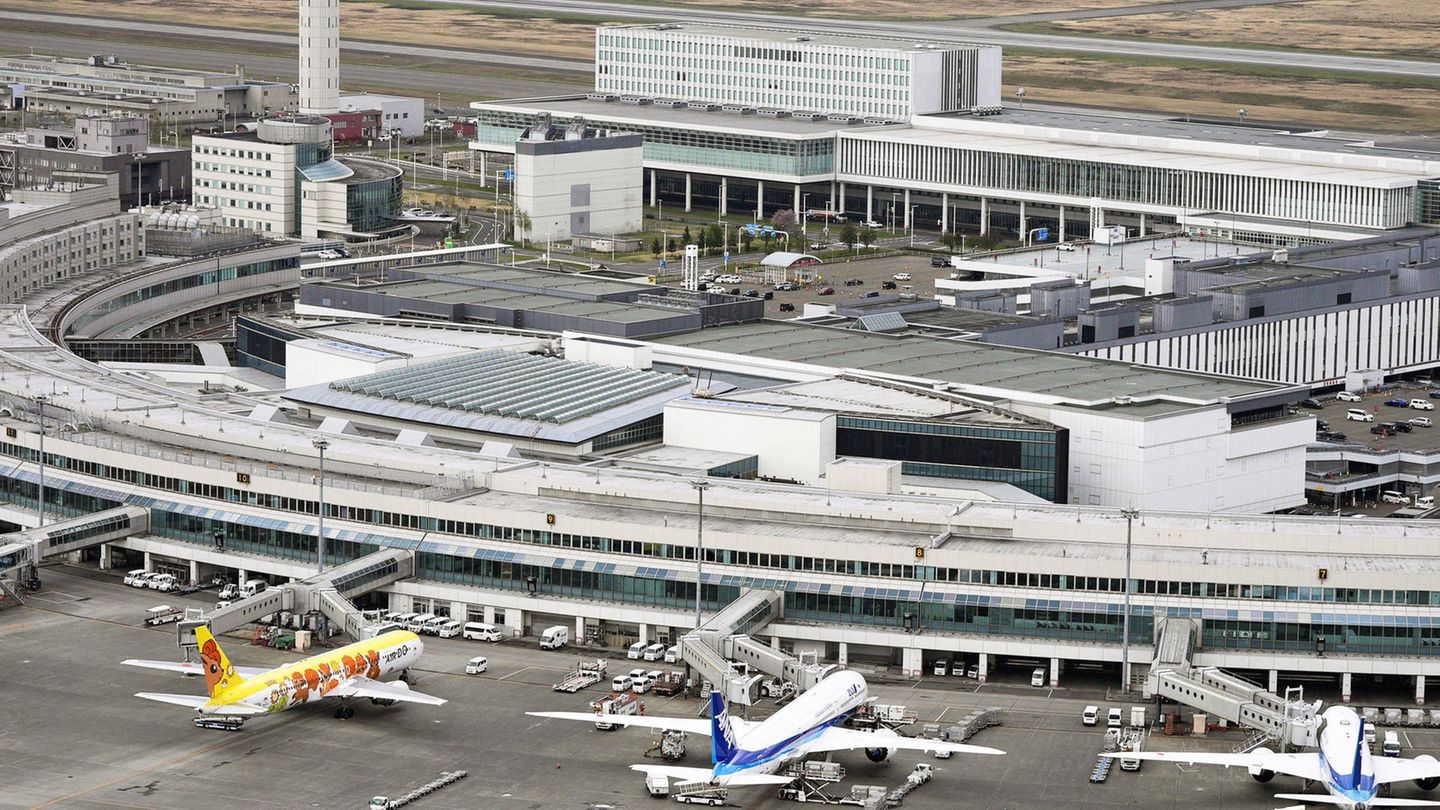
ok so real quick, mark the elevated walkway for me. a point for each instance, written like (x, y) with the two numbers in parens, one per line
(328, 593)
(1223, 695)
(725, 638)
(26, 549)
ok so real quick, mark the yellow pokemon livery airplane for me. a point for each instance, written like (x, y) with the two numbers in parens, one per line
(353, 671)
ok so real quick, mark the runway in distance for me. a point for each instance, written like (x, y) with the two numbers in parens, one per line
(749, 753)
(352, 671)
(1342, 763)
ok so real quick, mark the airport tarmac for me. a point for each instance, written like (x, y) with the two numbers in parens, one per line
(73, 735)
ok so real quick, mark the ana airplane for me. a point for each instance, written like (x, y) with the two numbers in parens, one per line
(1343, 764)
(748, 753)
(353, 671)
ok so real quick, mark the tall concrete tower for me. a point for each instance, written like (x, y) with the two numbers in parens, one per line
(319, 56)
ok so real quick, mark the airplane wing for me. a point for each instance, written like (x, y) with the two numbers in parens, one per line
(189, 667)
(1403, 770)
(379, 690)
(1378, 801)
(197, 701)
(689, 725)
(707, 775)
(847, 739)
(1305, 766)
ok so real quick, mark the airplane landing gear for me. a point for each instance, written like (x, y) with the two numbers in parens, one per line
(344, 712)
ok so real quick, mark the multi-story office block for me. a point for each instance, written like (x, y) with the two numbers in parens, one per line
(867, 77)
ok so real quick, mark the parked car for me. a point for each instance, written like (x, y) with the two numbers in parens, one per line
(134, 575)
(1402, 427)
(1422, 421)
(871, 224)
(1435, 394)
(752, 293)
(939, 261)
(1398, 402)
(1311, 403)
(889, 285)
(1422, 404)
(826, 291)
(787, 286)
(654, 652)
(1321, 424)
(1348, 396)
(901, 276)
(787, 307)
(1068, 247)
(1381, 430)
(1357, 415)
(871, 294)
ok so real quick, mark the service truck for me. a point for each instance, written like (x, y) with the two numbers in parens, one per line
(615, 703)
(555, 637)
(585, 674)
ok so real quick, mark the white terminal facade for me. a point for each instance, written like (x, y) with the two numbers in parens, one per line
(868, 77)
(740, 119)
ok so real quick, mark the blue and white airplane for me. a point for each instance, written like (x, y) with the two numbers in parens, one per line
(1342, 764)
(749, 753)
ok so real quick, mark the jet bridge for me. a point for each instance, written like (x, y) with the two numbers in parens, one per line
(725, 638)
(22, 552)
(1223, 695)
(328, 593)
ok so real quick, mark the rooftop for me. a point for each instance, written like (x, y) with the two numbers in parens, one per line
(800, 37)
(852, 396)
(620, 116)
(982, 370)
(529, 278)
(450, 292)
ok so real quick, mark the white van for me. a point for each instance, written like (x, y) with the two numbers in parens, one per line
(476, 665)
(162, 582)
(636, 650)
(940, 668)
(641, 683)
(555, 637)
(403, 619)
(251, 587)
(1358, 415)
(131, 576)
(1425, 501)
(479, 631)
(1037, 678)
(448, 629)
(1114, 718)
(417, 624)
(654, 652)
(431, 627)
(621, 683)
(1391, 746)
(142, 579)
(672, 654)
(1391, 496)
(1090, 716)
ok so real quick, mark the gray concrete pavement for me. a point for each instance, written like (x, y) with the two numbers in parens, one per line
(72, 736)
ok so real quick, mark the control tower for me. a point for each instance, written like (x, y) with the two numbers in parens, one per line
(319, 56)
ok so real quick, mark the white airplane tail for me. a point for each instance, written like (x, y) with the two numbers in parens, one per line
(1378, 801)
(707, 775)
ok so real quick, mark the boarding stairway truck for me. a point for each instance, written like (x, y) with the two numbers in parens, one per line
(585, 674)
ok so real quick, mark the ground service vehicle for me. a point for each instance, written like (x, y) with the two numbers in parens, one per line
(1090, 716)
(1037, 678)
(478, 631)
(252, 587)
(555, 637)
(476, 665)
(1114, 718)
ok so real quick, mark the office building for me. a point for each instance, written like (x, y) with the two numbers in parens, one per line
(403, 116)
(573, 180)
(147, 173)
(831, 74)
(105, 85)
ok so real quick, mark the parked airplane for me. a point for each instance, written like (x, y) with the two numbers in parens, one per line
(353, 671)
(1342, 763)
(749, 753)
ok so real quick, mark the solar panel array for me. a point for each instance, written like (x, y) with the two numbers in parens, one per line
(513, 384)
(883, 322)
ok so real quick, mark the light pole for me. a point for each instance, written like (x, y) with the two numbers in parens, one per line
(321, 445)
(700, 487)
(40, 403)
(1129, 515)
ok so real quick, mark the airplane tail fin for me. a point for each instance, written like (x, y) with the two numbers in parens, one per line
(722, 733)
(219, 673)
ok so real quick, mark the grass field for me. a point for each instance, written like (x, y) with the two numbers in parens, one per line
(900, 9)
(1406, 28)
(1280, 95)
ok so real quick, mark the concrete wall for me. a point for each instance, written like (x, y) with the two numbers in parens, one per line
(592, 185)
(792, 445)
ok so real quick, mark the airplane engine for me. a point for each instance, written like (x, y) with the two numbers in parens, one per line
(881, 754)
(1260, 774)
(1429, 782)
(385, 702)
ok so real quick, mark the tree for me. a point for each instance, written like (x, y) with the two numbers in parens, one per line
(785, 220)
(715, 235)
(749, 240)
(701, 241)
(685, 238)
(670, 246)
(655, 246)
(522, 225)
(867, 236)
(849, 235)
